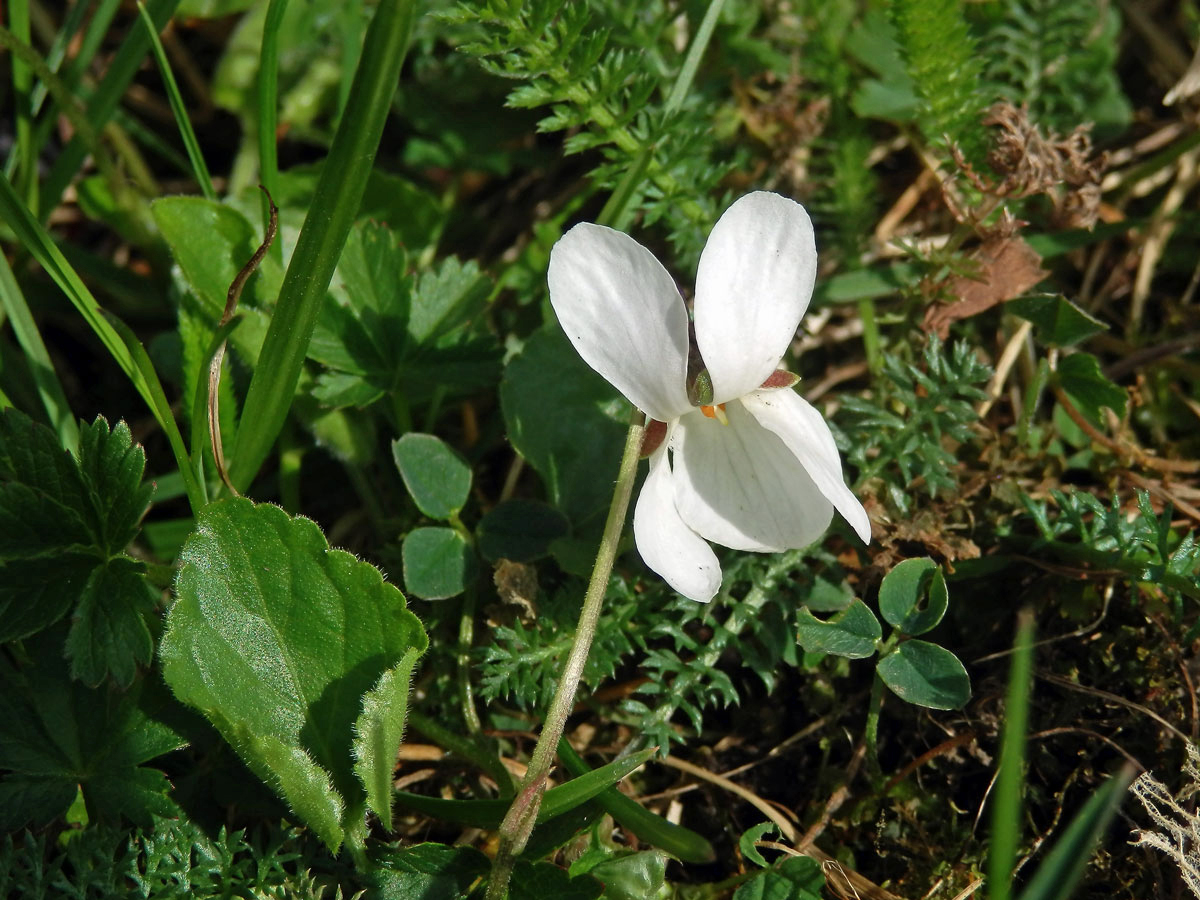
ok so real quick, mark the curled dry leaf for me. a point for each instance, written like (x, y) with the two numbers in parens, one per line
(1008, 268)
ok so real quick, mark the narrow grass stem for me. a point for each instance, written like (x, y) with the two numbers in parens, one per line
(518, 823)
(871, 732)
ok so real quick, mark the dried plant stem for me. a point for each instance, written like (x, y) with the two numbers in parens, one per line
(519, 822)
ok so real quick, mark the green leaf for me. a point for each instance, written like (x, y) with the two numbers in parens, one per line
(111, 465)
(682, 843)
(427, 872)
(446, 299)
(630, 875)
(389, 331)
(751, 836)
(1090, 391)
(210, 242)
(852, 633)
(378, 734)
(576, 450)
(925, 674)
(59, 737)
(1058, 321)
(438, 479)
(438, 563)
(905, 588)
(796, 878)
(276, 638)
(36, 593)
(519, 530)
(108, 631)
(64, 521)
(555, 802)
(538, 881)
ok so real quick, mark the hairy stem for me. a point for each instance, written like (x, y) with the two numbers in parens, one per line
(519, 822)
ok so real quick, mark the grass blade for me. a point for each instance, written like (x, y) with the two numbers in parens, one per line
(119, 341)
(103, 102)
(335, 203)
(268, 104)
(1006, 807)
(1060, 872)
(178, 108)
(49, 388)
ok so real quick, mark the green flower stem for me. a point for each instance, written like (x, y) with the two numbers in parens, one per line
(871, 341)
(517, 825)
(871, 732)
(335, 204)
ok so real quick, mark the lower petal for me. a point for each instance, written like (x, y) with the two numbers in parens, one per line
(740, 486)
(667, 545)
(799, 425)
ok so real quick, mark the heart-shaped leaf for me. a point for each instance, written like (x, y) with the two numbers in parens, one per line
(903, 590)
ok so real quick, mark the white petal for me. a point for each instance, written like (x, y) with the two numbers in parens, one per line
(803, 429)
(739, 486)
(753, 285)
(666, 544)
(624, 315)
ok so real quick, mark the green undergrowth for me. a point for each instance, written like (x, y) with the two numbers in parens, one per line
(301, 488)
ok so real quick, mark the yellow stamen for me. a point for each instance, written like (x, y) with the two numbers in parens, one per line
(716, 412)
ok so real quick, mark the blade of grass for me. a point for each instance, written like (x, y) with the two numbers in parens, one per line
(268, 106)
(119, 341)
(335, 203)
(87, 135)
(103, 102)
(49, 388)
(89, 43)
(680, 842)
(1006, 805)
(1060, 872)
(178, 108)
(22, 84)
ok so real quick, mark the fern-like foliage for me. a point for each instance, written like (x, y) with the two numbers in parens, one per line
(754, 621)
(908, 429)
(1084, 529)
(567, 57)
(942, 61)
(1058, 57)
(522, 664)
(175, 860)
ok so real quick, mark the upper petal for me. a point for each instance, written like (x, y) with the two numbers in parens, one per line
(624, 315)
(753, 285)
(740, 486)
(667, 545)
(803, 429)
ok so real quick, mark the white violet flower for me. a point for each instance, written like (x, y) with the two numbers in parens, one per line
(736, 456)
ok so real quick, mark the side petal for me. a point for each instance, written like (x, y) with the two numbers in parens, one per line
(753, 285)
(623, 313)
(739, 485)
(803, 429)
(667, 545)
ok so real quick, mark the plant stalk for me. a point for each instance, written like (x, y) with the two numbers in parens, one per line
(519, 822)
